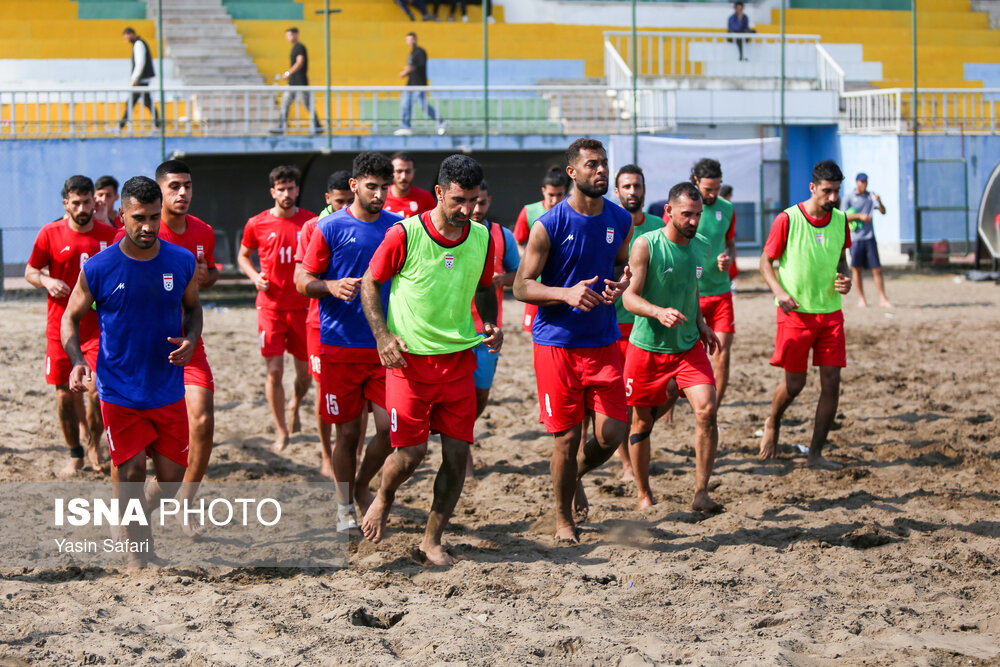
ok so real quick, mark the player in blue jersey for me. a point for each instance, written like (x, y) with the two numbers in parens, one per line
(575, 250)
(351, 372)
(151, 320)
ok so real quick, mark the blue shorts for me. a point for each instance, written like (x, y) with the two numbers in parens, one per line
(486, 367)
(864, 254)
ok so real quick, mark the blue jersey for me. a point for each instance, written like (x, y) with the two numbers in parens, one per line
(580, 247)
(139, 307)
(351, 244)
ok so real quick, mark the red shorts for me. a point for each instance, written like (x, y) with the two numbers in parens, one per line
(574, 381)
(622, 343)
(530, 310)
(57, 364)
(282, 331)
(346, 389)
(313, 348)
(130, 431)
(647, 374)
(718, 312)
(792, 345)
(416, 408)
(198, 373)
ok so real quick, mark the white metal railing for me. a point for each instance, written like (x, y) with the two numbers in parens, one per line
(972, 110)
(715, 54)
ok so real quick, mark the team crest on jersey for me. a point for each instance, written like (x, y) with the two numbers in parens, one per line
(718, 216)
(168, 281)
(697, 272)
(819, 238)
(103, 245)
(413, 207)
(449, 261)
(610, 235)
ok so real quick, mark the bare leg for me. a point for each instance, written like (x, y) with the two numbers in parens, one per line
(275, 392)
(482, 398)
(375, 454)
(628, 470)
(66, 408)
(302, 382)
(201, 424)
(344, 459)
(643, 419)
(883, 300)
(859, 285)
(398, 468)
(826, 411)
(563, 469)
(363, 431)
(95, 423)
(447, 489)
(325, 448)
(706, 442)
(790, 387)
(720, 362)
(127, 482)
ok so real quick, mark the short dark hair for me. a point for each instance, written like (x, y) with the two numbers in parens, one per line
(726, 191)
(705, 168)
(684, 189)
(372, 163)
(142, 189)
(338, 180)
(292, 29)
(171, 167)
(286, 172)
(630, 169)
(402, 155)
(556, 177)
(484, 186)
(128, 31)
(827, 170)
(461, 170)
(78, 184)
(411, 34)
(583, 144)
(106, 181)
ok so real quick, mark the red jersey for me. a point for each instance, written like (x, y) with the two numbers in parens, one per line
(198, 238)
(414, 203)
(312, 319)
(275, 240)
(64, 251)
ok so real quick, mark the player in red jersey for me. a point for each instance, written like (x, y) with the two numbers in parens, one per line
(105, 196)
(63, 247)
(405, 198)
(281, 310)
(338, 196)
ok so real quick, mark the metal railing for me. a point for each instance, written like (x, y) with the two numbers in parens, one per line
(939, 110)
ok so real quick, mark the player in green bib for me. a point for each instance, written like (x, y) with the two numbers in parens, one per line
(630, 188)
(810, 242)
(438, 263)
(667, 345)
(718, 226)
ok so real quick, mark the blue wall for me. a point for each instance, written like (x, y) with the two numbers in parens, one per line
(807, 145)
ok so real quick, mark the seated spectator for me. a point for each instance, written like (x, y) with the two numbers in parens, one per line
(739, 22)
(421, 6)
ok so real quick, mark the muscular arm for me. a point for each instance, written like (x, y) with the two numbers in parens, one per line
(69, 329)
(486, 304)
(842, 264)
(390, 346)
(298, 64)
(208, 276)
(526, 287)
(193, 315)
(639, 265)
(55, 287)
(311, 285)
(247, 267)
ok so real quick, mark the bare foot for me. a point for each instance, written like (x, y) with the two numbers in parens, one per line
(862, 303)
(645, 501)
(326, 468)
(581, 506)
(294, 423)
(817, 462)
(436, 554)
(567, 533)
(191, 527)
(363, 497)
(628, 475)
(702, 503)
(884, 303)
(72, 467)
(377, 516)
(95, 460)
(768, 442)
(280, 442)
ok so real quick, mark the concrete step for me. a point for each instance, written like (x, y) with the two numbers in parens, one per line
(188, 62)
(199, 30)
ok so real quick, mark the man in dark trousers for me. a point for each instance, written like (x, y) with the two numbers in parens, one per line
(415, 74)
(297, 74)
(142, 73)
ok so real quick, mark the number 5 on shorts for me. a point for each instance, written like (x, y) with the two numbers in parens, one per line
(628, 386)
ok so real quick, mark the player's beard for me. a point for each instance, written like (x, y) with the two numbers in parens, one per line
(286, 204)
(83, 218)
(455, 222)
(373, 206)
(145, 245)
(686, 232)
(633, 205)
(593, 191)
(829, 206)
(708, 202)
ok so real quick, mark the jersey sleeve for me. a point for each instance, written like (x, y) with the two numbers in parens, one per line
(486, 279)
(308, 231)
(41, 253)
(731, 232)
(511, 257)
(777, 238)
(390, 256)
(210, 246)
(316, 257)
(521, 227)
(249, 235)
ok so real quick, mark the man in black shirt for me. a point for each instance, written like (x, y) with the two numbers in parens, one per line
(415, 74)
(142, 73)
(297, 75)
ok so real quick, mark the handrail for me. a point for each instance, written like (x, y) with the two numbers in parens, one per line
(826, 62)
(758, 36)
(973, 110)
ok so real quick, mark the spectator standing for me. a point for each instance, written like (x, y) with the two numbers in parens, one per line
(297, 75)
(415, 74)
(860, 206)
(142, 73)
(739, 22)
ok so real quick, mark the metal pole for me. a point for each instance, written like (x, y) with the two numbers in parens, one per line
(486, 80)
(163, 109)
(918, 232)
(783, 167)
(326, 12)
(635, 88)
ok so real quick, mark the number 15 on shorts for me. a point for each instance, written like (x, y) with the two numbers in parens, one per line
(331, 405)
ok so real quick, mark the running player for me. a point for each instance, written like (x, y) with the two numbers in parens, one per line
(437, 262)
(352, 373)
(667, 344)
(506, 261)
(405, 198)
(63, 247)
(338, 195)
(105, 196)
(147, 302)
(555, 185)
(281, 310)
(573, 249)
(810, 242)
(630, 188)
(718, 226)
